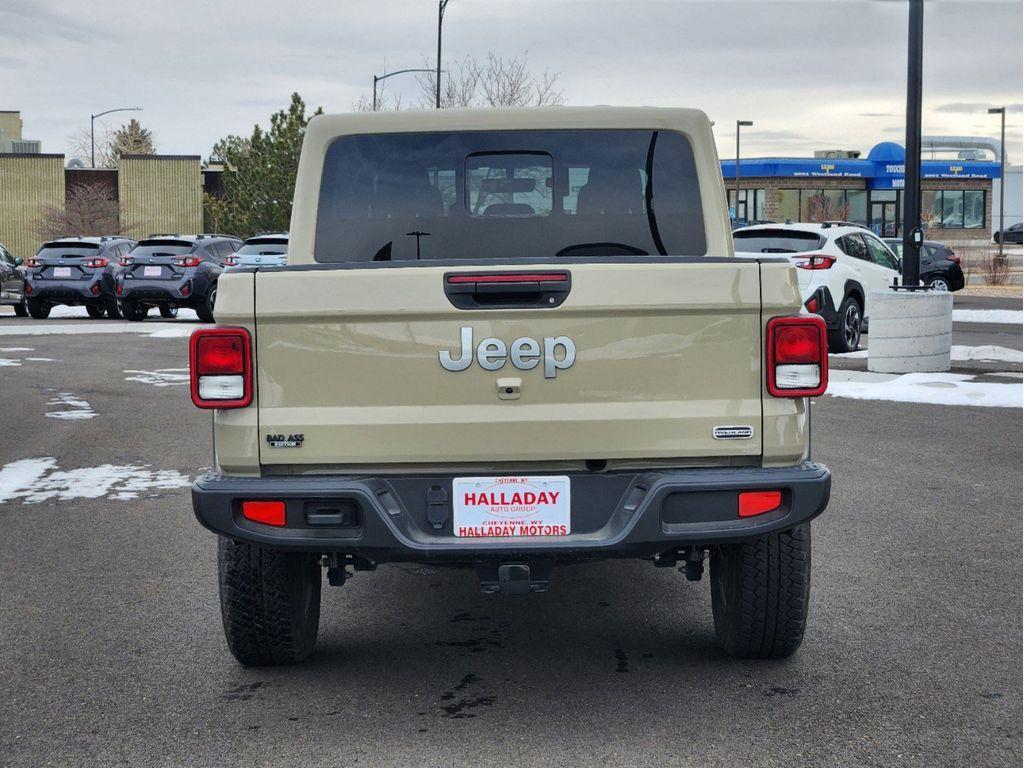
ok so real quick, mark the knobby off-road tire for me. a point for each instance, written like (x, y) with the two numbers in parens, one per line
(760, 591)
(270, 602)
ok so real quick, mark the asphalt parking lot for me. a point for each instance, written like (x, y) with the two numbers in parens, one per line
(113, 652)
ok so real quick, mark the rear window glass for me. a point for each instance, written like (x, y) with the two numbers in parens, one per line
(776, 241)
(162, 248)
(509, 195)
(68, 250)
(264, 246)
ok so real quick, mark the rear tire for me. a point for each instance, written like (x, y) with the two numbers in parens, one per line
(20, 310)
(205, 308)
(168, 312)
(939, 283)
(95, 311)
(850, 324)
(39, 309)
(113, 310)
(132, 310)
(269, 601)
(760, 591)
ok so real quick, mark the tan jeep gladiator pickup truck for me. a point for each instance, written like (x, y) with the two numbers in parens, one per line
(507, 340)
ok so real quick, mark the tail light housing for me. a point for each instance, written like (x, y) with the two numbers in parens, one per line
(220, 368)
(126, 261)
(97, 263)
(33, 263)
(953, 257)
(815, 261)
(797, 356)
(188, 261)
(231, 261)
(28, 288)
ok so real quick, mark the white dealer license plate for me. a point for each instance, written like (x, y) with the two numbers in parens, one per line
(62, 271)
(152, 271)
(511, 506)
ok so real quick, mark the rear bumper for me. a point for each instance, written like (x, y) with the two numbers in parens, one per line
(176, 291)
(72, 291)
(613, 514)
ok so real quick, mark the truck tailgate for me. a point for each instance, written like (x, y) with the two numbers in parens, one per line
(348, 358)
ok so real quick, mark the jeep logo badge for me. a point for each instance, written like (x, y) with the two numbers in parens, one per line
(558, 353)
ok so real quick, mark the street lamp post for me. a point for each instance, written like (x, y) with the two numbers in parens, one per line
(92, 130)
(1001, 111)
(441, 5)
(386, 75)
(912, 234)
(739, 124)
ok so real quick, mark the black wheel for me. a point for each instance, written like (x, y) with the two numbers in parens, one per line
(132, 310)
(113, 309)
(205, 308)
(20, 310)
(760, 592)
(38, 308)
(846, 336)
(168, 312)
(270, 602)
(938, 283)
(95, 311)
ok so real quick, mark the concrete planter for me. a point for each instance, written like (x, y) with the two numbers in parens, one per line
(910, 332)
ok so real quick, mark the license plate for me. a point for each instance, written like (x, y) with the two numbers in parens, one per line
(511, 506)
(62, 271)
(152, 271)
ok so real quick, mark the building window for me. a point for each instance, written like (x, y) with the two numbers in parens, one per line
(857, 206)
(974, 209)
(750, 207)
(953, 208)
(824, 205)
(789, 205)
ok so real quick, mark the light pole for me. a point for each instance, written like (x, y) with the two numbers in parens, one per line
(1001, 111)
(912, 235)
(739, 124)
(441, 5)
(386, 75)
(92, 130)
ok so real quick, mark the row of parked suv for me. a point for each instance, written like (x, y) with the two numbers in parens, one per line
(117, 277)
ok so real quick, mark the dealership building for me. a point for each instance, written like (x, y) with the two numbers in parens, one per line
(956, 195)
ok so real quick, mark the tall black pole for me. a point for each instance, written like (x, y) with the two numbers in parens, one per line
(1002, 172)
(440, 20)
(375, 79)
(92, 141)
(912, 162)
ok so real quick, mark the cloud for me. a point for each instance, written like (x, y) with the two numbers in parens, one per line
(875, 114)
(26, 22)
(973, 107)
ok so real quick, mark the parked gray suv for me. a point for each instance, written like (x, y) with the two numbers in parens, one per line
(76, 271)
(172, 271)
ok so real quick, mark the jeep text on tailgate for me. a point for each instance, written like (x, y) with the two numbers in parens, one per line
(510, 339)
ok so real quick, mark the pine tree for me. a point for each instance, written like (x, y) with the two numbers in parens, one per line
(132, 139)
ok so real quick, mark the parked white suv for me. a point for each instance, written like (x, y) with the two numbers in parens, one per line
(839, 265)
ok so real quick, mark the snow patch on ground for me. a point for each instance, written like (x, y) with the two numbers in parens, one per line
(172, 333)
(36, 480)
(74, 407)
(61, 311)
(154, 330)
(17, 349)
(162, 377)
(6, 362)
(41, 359)
(930, 388)
(1003, 316)
(986, 352)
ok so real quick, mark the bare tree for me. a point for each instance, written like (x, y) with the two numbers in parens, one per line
(79, 147)
(90, 209)
(498, 82)
(821, 208)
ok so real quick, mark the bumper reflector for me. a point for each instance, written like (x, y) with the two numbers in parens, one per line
(758, 502)
(266, 512)
(221, 387)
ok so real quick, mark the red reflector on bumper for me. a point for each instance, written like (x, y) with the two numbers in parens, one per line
(266, 512)
(758, 502)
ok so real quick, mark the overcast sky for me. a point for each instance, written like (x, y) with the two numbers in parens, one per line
(812, 75)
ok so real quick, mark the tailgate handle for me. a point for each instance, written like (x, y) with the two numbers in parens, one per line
(507, 290)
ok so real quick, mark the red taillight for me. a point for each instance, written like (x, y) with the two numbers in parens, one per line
(953, 257)
(95, 290)
(814, 262)
(32, 263)
(230, 261)
(510, 277)
(126, 261)
(119, 289)
(28, 288)
(813, 305)
(220, 368)
(758, 502)
(797, 356)
(98, 263)
(188, 261)
(266, 512)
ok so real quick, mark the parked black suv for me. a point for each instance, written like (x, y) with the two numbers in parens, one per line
(12, 281)
(171, 271)
(940, 266)
(78, 271)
